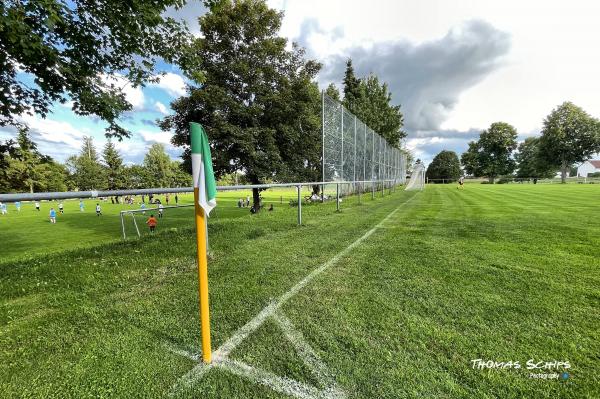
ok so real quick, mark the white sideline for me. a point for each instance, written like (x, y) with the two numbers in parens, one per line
(220, 356)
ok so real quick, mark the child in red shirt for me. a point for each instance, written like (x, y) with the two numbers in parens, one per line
(152, 222)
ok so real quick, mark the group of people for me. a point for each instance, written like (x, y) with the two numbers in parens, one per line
(246, 203)
(115, 200)
(243, 204)
(4, 207)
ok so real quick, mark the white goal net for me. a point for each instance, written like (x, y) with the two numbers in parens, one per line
(417, 178)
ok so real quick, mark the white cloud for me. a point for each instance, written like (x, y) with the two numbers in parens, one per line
(52, 131)
(172, 83)
(156, 137)
(134, 95)
(160, 107)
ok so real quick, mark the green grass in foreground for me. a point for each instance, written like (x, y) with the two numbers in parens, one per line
(494, 272)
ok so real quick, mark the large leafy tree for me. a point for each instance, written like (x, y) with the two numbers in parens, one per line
(86, 171)
(258, 104)
(373, 107)
(159, 167)
(530, 162)
(570, 135)
(491, 155)
(135, 176)
(113, 163)
(445, 165)
(68, 48)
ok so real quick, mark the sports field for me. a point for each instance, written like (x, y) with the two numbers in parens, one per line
(394, 297)
(29, 232)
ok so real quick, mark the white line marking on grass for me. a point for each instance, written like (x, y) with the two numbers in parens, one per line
(304, 350)
(221, 355)
(284, 385)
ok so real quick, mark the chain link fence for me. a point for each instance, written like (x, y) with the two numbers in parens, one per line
(354, 152)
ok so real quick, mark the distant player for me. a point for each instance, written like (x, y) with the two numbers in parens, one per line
(18, 205)
(152, 222)
(143, 208)
(461, 183)
(52, 216)
(81, 206)
(176, 200)
(98, 210)
(37, 206)
(3, 208)
(61, 208)
(160, 210)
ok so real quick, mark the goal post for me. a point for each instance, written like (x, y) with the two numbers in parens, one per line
(417, 178)
(128, 217)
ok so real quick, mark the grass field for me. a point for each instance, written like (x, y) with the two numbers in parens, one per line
(408, 290)
(29, 233)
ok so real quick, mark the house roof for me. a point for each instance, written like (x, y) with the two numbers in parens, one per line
(595, 163)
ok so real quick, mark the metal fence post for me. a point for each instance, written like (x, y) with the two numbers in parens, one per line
(337, 197)
(299, 205)
(122, 224)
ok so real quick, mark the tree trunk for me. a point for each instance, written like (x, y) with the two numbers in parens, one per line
(31, 187)
(563, 172)
(491, 179)
(316, 189)
(256, 199)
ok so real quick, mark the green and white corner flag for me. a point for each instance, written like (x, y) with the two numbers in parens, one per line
(202, 170)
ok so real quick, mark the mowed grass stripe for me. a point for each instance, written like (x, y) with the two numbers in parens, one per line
(416, 321)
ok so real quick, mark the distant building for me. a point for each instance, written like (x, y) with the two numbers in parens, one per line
(591, 166)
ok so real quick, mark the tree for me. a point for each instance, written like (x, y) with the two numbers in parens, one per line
(530, 163)
(491, 155)
(180, 178)
(53, 176)
(24, 168)
(470, 159)
(373, 107)
(570, 135)
(258, 105)
(445, 166)
(113, 163)
(25, 161)
(135, 176)
(7, 152)
(158, 166)
(333, 92)
(352, 89)
(69, 48)
(85, 168)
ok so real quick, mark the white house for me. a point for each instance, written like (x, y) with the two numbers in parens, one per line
(590, 166)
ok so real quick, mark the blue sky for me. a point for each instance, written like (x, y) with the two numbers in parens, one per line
(454, 66)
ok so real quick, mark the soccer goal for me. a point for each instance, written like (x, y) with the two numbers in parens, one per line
(134, 221)
(417, 178)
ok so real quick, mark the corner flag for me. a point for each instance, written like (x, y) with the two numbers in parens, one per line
(202, 170)
(205, 193)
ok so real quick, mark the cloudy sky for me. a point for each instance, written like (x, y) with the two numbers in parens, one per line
(454, 66)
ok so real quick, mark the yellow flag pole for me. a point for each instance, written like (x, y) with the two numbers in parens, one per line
(202, 278)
